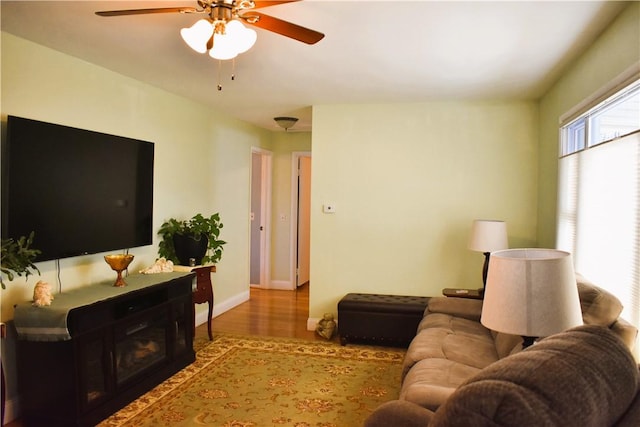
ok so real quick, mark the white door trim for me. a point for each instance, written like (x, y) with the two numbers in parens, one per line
(265, 208)
(293, 244)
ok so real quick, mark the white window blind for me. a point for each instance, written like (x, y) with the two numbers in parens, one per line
(599, 192)
(599, 217)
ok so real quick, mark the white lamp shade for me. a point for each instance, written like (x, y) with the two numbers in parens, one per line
(488, 235)
(531, 292)
(198, 35)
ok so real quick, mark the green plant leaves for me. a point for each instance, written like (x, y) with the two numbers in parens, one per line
(16, 258)
(195, 227)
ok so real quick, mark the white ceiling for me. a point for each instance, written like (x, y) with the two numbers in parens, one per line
(373, 51)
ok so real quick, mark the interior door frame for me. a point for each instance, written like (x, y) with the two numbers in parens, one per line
(293, 244)
(265, 215)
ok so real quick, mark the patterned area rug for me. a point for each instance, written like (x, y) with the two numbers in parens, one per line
(250, 381)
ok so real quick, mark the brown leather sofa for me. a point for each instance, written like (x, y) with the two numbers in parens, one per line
(452, 347)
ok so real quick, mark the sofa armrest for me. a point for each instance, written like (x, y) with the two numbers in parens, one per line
(399, 413)
(626, 331)
(460, 307)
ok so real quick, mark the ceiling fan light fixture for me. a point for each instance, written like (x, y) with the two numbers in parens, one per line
(285, 122)
(231, 39)
(228, 12)
(197, 36)
(223, 47)
(243, 38)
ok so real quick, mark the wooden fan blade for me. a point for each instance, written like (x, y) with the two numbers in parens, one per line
(145, 11)
(281, 27)
(259, 3)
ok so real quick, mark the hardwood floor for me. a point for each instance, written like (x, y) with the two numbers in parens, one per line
(272, 313)
(268, 312)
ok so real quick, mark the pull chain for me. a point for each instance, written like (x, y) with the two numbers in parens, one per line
(233, 73)
(233, 69)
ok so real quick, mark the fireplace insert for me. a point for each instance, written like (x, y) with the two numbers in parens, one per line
(120, 348)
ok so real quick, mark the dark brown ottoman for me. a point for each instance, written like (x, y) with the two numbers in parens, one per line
(380, 319)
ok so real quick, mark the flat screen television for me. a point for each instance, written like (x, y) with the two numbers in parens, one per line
(80, 192)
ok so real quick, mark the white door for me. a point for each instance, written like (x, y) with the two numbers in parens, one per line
(260, 217)
(256, 216)
(304, 219)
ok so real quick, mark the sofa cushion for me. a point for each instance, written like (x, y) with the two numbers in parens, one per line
(459, 307)
(599, 307)
(507, 344)
(583, 377)
(626, 331)
(457, 325)
(459, 340)
(399, 413)
(431, 381)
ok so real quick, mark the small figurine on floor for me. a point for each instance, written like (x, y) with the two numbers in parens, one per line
(42, 294)
(327, 326)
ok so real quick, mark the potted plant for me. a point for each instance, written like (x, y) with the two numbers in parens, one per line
(17, 257)
(196, 238)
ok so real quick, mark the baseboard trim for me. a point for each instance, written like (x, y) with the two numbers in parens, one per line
(312, 322)
(221, 307)
(283, 285)
(280, 285)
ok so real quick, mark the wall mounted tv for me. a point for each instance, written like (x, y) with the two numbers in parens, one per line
(80, 192)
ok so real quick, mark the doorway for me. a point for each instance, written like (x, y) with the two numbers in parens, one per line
(260, 217)
(301, 199)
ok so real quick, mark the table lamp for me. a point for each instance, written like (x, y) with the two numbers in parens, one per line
(488, 235)
(531, 293)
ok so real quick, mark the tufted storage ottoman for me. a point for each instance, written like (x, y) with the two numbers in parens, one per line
(380, 319)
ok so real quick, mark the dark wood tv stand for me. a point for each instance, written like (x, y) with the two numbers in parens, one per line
(119, 348)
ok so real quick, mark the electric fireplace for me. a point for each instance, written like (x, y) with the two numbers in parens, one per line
(119, 348)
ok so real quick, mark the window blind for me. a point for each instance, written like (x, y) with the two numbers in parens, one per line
(599, 217)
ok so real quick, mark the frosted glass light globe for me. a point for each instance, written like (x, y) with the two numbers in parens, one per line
(198, 35)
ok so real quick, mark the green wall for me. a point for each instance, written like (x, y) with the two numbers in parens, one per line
(616, 50)
(202, 162)
(202, 158)
(407, 180)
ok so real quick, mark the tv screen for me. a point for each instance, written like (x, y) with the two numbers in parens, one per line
(80, 192)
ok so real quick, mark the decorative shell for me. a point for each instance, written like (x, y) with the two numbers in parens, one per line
(42, 294)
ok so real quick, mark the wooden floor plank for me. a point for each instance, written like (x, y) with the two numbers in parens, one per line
(274, 313)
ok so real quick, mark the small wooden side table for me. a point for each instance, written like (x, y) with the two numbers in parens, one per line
(463, 293)
(203, 292)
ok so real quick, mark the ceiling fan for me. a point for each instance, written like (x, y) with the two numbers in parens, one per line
(222, 12)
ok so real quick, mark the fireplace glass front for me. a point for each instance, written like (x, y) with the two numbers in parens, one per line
(140, 345)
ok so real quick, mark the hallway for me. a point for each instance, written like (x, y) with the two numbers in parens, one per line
(274, 313)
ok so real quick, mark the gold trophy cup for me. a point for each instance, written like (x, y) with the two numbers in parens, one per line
(119, 263)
